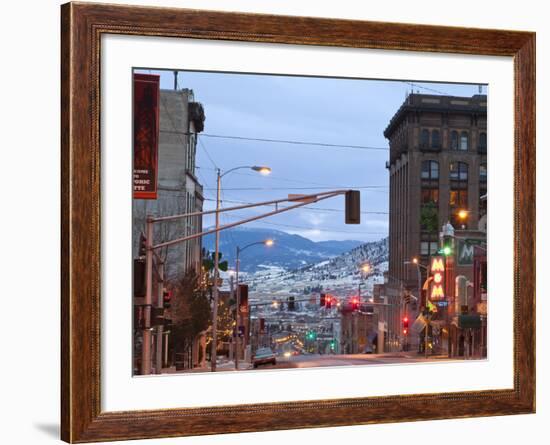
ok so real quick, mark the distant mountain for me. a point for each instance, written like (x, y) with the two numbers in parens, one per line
(340, 275)
(289, 251)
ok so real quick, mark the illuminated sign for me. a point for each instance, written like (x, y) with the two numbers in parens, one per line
(437, 270)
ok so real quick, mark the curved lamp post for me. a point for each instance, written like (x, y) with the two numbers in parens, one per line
(266, 242)
(264, 170)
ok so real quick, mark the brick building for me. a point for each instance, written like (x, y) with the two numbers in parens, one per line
(438, 175)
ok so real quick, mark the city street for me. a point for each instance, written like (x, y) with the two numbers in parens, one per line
(317, 360)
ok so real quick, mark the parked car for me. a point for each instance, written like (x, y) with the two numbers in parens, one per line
(264, 356)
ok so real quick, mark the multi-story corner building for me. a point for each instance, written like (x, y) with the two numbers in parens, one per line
(438, 167)
(181, 118)
(438, 175)
(179, 191)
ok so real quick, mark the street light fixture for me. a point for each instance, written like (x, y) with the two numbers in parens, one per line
(463, 216)
(215, 292)
(268, 243)
(365, 269)
(264, 170)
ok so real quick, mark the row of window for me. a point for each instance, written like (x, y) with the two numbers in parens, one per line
(459, 141)
(458, 171)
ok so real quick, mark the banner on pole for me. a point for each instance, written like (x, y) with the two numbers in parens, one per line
(146, 135)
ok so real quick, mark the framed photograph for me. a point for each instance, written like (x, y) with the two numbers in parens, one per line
(276, 222)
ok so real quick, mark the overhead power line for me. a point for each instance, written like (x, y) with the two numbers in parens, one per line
(317, 209)
(302, 188)
(293, 142)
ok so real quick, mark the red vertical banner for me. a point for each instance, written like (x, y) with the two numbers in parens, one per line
(146, 135)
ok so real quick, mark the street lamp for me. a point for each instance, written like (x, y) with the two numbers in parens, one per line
(416, 263)
(264, 170)
(365, 269)
(462, 216)
(267, 242)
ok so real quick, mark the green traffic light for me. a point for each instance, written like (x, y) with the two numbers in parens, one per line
(447, 250)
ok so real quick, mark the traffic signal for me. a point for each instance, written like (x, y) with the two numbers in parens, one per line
(328, 301)
(447, 245)
(322, 300)
(166, 298)
(142, 245)
(139, 277)
(405, 325)
(353, 207)
(291, 306)
(355, 304)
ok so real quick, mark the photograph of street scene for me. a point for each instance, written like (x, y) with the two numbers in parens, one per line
(284, 222)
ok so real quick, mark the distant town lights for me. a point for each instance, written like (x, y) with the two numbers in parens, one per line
(268, 242)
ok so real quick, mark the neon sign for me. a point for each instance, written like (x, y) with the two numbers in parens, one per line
(437, 269)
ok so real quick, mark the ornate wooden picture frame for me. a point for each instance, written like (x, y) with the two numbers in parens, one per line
(82, 26)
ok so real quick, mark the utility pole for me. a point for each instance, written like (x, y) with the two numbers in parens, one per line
(160, 328)
(213, 352)
(146, 346)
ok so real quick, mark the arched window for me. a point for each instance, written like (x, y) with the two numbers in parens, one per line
(430, 170)
(424, 138)
(458, 171)
(435, 139)
(483, 140)
(482, 147)
(430, 182)
(464, 140)
(454, 140)
(458, 196)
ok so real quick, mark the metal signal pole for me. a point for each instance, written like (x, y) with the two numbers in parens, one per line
(146, 346)
(215, 294)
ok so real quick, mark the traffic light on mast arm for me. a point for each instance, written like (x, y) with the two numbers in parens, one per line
(322, 300)
(353, 207)
(328, 301)
(355, 304)
(142, 251)
(405, 325)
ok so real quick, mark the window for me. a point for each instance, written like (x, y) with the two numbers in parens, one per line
(458, 171)
(464, 140)
(458, 198)
(483, 172)
(424, 138)
(428, 248)
(458, 195)
(430, 195)
(482, 146)
(454, 140)
(430, 170)
(435, 139)
(483, 140)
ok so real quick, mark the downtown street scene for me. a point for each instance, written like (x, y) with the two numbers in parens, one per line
(284, 222)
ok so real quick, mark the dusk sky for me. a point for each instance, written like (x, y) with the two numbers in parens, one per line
(323, 110)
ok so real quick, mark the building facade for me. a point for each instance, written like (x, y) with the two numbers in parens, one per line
(179, 191)
(181, 118)
(438, 175)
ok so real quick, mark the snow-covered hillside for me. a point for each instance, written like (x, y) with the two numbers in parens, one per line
(340, 275)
